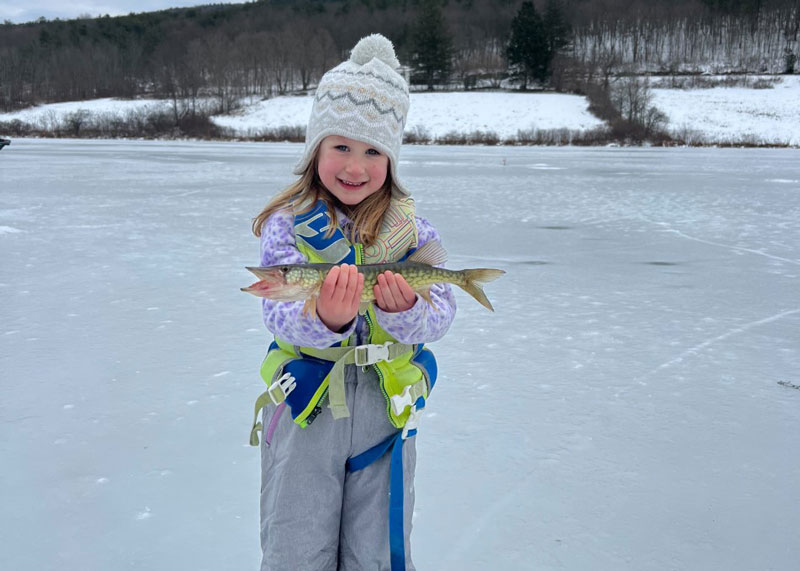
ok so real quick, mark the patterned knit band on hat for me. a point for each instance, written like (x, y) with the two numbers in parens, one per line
(363, 98)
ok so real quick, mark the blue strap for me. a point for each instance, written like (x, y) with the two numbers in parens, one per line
(367, 457)
(397, 545)
(407, 254)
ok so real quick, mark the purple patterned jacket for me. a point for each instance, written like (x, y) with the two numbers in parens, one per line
(419, 324)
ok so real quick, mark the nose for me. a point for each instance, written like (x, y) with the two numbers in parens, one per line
(355, 165)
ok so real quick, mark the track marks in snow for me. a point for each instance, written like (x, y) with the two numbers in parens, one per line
(700, 347)
(730, 247)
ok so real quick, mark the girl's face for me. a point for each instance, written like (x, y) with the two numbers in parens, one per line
(349, 169)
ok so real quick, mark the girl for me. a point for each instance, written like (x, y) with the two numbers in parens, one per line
(330, 474)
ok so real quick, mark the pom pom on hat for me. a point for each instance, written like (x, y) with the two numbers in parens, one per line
(374, 46)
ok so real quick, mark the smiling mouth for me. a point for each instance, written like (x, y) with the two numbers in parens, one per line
(349, 184)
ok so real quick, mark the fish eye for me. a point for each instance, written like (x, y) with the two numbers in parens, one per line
(284, 269)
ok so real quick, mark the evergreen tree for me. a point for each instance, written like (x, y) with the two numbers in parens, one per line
(556, 27)
(432, 44)
(527, 50)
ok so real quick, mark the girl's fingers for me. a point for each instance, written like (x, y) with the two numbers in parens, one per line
(329, 284)
(376, 289)
(383, 294)
(340, 296)
(341, 284)
(355, 284)
(395, 293)
(392, 283)
(404, 292)
(388, 303)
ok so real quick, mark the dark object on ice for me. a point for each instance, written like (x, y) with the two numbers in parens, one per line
(4, 142)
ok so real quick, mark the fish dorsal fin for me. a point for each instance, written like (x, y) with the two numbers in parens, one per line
(431, 253)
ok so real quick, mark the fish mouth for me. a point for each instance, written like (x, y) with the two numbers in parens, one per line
(270, 280)
(260, 289)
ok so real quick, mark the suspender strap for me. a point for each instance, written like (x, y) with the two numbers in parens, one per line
(397, 546)
(262, 401)
(361, 355)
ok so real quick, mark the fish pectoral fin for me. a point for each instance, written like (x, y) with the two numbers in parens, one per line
(426, 295)
(310, 306)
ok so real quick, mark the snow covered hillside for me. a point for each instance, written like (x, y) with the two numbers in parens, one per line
(438, 114)
(720, 115)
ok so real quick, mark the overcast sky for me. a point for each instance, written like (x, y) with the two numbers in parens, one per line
(19, 11)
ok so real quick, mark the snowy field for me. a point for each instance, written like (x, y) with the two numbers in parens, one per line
(631, 405)
(735, 114)
(438, 114)
(718, 115)
(49, 116)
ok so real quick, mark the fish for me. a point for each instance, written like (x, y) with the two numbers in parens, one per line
(302, 282)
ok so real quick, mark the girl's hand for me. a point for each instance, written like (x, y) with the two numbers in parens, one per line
(393, 294)
(340, 296)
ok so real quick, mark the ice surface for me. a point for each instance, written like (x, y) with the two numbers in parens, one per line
(620, 410)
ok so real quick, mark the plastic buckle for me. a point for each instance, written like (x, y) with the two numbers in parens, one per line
(414, 416)
(280, 389)
(408, 397)
(401, 401)
(371, 354)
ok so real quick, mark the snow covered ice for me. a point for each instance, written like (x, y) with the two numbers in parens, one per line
(620, 410)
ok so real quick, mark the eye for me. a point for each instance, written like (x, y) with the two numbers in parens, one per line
(342, 148)
(284, 269)
(374, 152)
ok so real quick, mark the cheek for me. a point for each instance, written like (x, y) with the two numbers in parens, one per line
(327, 170)
(378, 172)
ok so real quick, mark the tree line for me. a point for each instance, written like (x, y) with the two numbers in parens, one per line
(275, 47)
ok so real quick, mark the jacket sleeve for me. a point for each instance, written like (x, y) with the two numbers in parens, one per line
(285, 319)
(421, 323)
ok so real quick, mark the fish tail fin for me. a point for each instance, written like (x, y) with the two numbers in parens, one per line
(474, 280)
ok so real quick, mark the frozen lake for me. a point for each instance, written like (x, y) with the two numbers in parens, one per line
(634, 402)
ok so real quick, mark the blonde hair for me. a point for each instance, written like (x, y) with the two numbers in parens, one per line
(367, 216)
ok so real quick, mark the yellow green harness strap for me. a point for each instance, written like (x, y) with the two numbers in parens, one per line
(262, 401)
(361, 355)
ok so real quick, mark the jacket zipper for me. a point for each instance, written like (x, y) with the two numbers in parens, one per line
(381, 380)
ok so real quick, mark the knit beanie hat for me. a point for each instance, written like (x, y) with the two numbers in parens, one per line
(363, 98)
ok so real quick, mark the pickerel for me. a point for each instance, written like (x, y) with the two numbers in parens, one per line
(302, 282)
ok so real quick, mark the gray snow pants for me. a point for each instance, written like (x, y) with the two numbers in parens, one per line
(315, 516)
